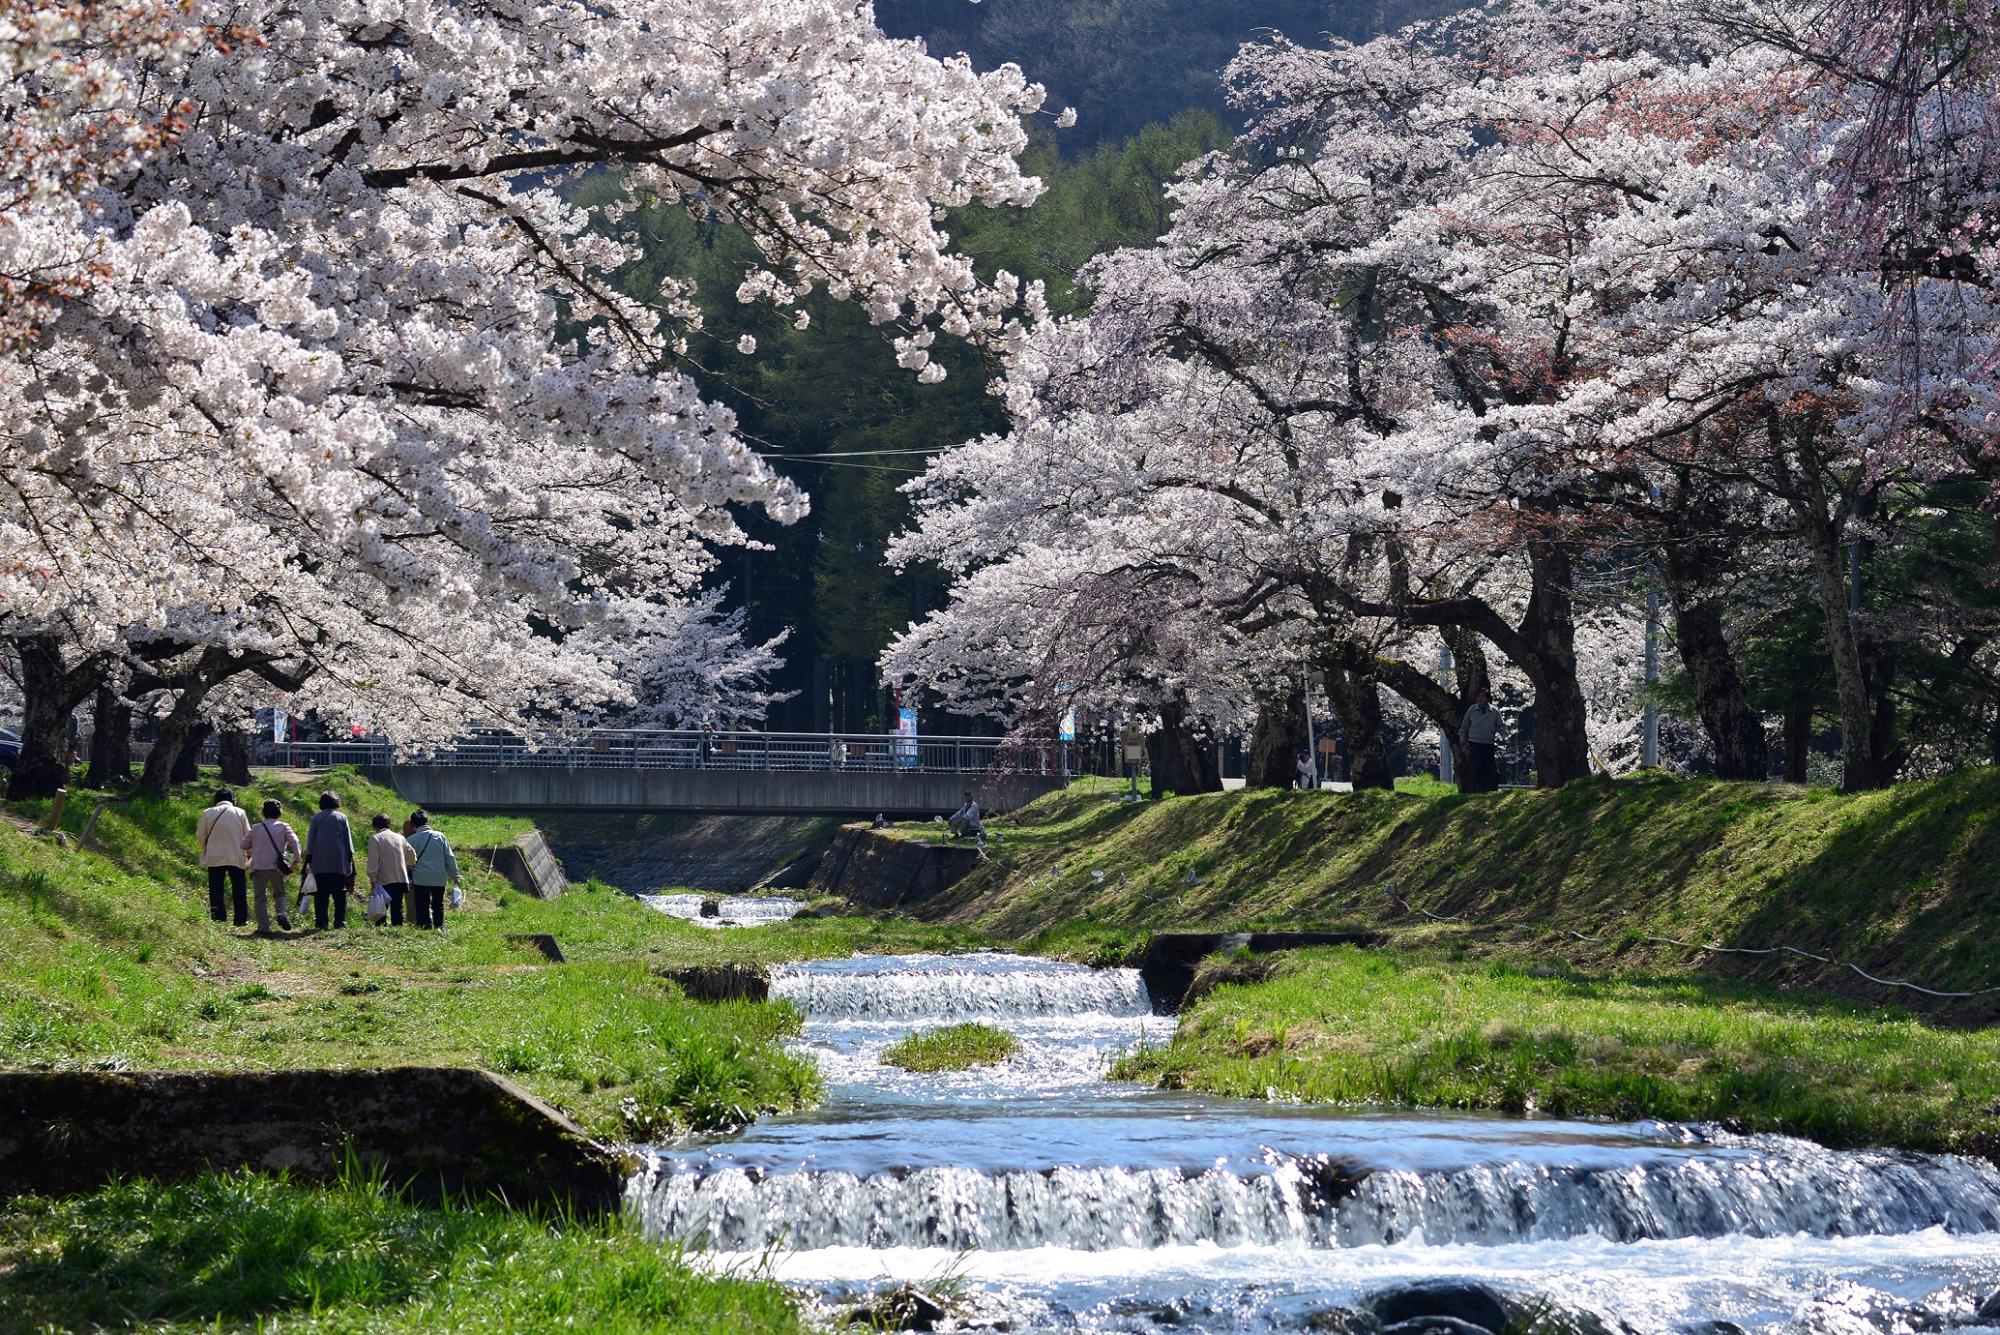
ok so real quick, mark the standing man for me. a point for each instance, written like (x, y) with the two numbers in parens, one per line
(220, 832)
(1480, 733)
(436, 864)
(330, 859)
(273, 851)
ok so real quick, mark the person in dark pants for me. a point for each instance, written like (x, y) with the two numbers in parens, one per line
(220, 832)
(435, 866)
(1480, 732)
(389, 860)
(330, 859)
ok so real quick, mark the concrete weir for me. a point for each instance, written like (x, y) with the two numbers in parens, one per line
(435, 1131)
(1170, 960)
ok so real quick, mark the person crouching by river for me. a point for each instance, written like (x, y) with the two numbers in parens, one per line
(330, 859)
(273, 851)
(436, 865)
(220, 832)
(390, 858)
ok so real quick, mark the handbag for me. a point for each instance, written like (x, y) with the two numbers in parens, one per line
(284, 858)
(378, 904)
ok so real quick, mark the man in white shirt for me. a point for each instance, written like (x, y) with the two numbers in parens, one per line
(965, 821)
(220, 833)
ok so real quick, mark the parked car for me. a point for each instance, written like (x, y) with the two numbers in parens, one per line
(10, 748)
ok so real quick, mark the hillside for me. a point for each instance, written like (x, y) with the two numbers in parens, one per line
(1903, 882)
(1122, 63)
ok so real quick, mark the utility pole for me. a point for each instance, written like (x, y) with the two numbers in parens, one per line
(1649, 755)
(1312, 740)
(1649, 748)
(1447, 769)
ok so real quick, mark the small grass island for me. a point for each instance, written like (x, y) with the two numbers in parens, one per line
(957, 1047)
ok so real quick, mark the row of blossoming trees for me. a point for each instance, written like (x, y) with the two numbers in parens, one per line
(1479, 328)
(313, 382)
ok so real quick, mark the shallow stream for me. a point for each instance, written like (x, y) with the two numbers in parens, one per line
(1060, 1201)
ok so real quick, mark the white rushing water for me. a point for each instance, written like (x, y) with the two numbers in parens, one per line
(733, 910)
(1068, 1202)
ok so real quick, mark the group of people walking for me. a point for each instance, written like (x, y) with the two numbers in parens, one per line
(413, 865)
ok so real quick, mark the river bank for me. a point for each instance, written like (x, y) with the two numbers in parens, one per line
(110, 963)
(1412, 1028)
(1527, 964)
(1602, 876)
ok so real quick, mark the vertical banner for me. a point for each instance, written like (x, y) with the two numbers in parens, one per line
(906, 738)
(280, 721)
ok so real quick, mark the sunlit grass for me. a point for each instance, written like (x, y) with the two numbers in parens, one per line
(957, 1047)
(255, 1252)
(1392, 1027)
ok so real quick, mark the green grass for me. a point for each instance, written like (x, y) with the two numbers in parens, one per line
(1404, 1028)
(249, 1252)
(1900, 882)
(110, 960)
(956, 1047)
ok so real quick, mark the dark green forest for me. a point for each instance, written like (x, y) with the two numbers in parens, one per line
(1151, 101)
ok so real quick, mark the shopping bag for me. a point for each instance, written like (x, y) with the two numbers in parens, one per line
(306, 886)
(378, 904)
(457, 898)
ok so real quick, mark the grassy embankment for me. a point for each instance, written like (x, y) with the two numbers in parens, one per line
(108, 959)
(257, 1253)
(957, 1047)
(1503, 1007)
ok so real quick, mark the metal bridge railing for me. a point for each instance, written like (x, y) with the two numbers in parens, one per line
(688, 750)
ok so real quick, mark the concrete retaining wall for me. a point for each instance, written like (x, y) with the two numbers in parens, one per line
(441, 1131)
(529, 866)
(751, 792)
(1170, 960)
(882, 871)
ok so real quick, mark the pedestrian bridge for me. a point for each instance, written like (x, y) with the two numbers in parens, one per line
(733, 773)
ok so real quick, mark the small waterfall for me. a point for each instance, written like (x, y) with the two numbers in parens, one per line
(1794, 1189)
(947, 990)
(735, 910)
(1801, 1189)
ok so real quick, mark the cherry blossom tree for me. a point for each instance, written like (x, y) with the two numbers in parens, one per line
(345, 325)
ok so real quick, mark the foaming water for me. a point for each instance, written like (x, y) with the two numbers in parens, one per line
(733, 910)
(1069, 1202)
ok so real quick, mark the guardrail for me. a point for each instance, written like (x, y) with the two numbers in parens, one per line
(651, 749)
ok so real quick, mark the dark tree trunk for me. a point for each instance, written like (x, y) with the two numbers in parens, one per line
(171, 738)
(1886, 749)
(1798, 742)
(50, 694)
(1277, 742)
(1735, 730)
(1182, 763)
(1354, 691)
(1438, 703)
(110, 741)
(187, 765)
(1562, 735)
(233, 749)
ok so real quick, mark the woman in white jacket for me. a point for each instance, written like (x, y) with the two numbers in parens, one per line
(220, 833)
